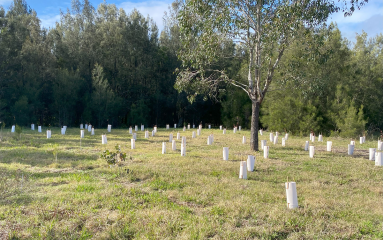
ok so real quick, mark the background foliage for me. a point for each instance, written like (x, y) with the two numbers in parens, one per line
(107, 66)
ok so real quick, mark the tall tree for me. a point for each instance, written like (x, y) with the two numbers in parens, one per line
(264, 27)
(102, 94)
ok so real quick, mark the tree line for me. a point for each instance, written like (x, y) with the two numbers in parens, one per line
(105, 66)
(100, 66)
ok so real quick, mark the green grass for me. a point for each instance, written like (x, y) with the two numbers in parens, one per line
(199, 196)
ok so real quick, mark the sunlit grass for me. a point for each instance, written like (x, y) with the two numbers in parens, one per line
(78, 196)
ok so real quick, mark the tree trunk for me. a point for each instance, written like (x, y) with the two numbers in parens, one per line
(254, 125)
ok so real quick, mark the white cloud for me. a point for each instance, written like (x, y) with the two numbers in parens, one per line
(372, 26)
(373, 7)
(155, 9)
(49, 21)
(368, 19)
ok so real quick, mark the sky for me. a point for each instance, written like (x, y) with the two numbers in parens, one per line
(368, 19)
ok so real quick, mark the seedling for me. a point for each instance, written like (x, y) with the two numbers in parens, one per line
(112, 157)
(55, 151)
(2, 126)
(19, 130)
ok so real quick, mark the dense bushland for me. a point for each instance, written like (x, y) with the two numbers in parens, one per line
(107, 66)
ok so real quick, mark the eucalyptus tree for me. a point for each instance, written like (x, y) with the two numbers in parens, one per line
(265, 28)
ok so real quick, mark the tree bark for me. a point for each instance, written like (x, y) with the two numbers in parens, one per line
(254, 125)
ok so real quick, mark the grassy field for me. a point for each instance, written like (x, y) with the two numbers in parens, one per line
(199, 196)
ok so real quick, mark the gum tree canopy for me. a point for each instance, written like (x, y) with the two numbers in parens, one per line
(264, 28)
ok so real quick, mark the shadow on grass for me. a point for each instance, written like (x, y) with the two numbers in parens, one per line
(17, 187)
(42, 142)
(336, 152)
(17, 199)
(273, 235)
(42, 158)
(357, 153)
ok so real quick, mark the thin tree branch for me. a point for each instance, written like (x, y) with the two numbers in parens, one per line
(271, 71)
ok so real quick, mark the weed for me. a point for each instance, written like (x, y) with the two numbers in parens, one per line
(85, 188)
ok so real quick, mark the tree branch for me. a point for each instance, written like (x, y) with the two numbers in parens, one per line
(271, 70)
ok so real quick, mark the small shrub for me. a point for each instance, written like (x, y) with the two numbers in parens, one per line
(18, 130)
(113, 157)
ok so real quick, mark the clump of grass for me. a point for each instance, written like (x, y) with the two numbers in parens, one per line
(85, 188)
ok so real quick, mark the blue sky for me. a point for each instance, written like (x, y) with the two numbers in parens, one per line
(368, 19)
